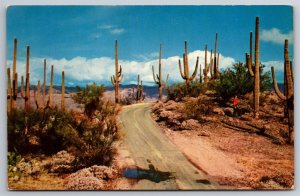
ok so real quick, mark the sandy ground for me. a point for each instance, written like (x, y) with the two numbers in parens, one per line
(233, 158)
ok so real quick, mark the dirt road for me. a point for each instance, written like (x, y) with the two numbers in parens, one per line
(153, 152)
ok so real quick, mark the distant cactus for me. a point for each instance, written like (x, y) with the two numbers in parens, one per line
(51, 88)
(62, 90)
(200, 79)
(158, 78)
(44, 85)
(206, 67)
(211, 66)
(15, 76)
(9, 91)
(115, 79)
(139, 95)
(26, 96)
(216, 73)
(255, 73)
(185, 74)
(289, 96)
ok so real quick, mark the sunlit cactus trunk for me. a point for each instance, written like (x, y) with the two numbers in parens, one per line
(185, 75)
(289, 96)
(9, 91)
(27, 91)
(37, 95)
(117, 78)
(15, 76)
(63, 90)
(44, 85)
(255, 73)
(51, 87)
(206, 67)
(158, 78)
(216, 60)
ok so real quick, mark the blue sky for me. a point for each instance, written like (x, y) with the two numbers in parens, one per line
(80, 39)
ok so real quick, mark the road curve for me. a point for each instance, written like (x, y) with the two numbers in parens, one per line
(147, 145)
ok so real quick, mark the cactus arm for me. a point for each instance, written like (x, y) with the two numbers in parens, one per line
(249, 64)
(181, 73)
(154, 78)
(113, 80)
(158, 78)
(120, 79)
(120, 72)
(196, 69)
(279, 94)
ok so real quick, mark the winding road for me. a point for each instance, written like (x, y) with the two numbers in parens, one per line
(149, 147)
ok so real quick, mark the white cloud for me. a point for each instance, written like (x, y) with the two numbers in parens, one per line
(278, 65)
(117, 31)
(113, 29)
(81, 69)
(274, 35)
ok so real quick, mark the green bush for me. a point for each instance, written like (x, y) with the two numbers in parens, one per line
(89, 136)
(237, 81)
(179, 90)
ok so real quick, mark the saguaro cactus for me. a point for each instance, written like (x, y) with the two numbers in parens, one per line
(63, 90)
(289, 96)
(140, 96)
(37, 95)
(44, 85)
(51, 87)
(115, 79)
(14, 76)
(255, 73)
(206, 68)
(211, 66)
(9, 93)
(27, 85)
(185, 75)
(158, 78)
(216, 60)
(200, 79)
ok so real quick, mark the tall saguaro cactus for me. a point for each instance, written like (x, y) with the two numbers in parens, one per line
(211, 67)
(9, 93)
(140, 91)
(206, 67)
(37, 95)
(63, 90)
(185, 75)
(27, 87)
(216, 60)
(200, 79)
(44, 85)
(15, 76)
(255, 73)
(51, 87)
(115, 79)
(289, 95)
(158, 78)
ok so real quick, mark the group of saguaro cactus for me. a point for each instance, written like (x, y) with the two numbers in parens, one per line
(288, 95)
(117, 78)
(185, 75)
(139, 95)
(158, 78)
(12, 89)
(254, 69)
(213, 66)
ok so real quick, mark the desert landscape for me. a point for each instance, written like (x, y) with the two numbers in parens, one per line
(218, 128)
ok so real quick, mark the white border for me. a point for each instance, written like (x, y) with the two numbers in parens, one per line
(3, 143)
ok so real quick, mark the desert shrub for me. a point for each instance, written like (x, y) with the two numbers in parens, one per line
(98, 128)
(13, 158)
(237, 81)
(178, 91)
(90, 97)
(196, 108)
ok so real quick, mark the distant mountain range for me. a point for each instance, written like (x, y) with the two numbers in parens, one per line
(151, 91)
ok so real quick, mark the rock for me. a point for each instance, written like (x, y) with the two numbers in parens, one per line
(92, 178)
(84, 183)
(203, 133)
(189, 124)
(228, 111)
(218, 111)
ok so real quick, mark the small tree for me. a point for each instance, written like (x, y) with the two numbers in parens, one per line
(237, 81)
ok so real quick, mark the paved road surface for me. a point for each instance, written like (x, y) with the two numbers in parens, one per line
(149, 146)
